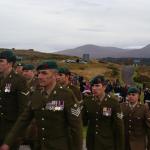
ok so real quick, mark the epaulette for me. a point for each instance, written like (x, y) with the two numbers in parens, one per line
(64, 88)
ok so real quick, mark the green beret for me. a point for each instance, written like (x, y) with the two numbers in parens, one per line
(64, 70)
(98, 79)
(133, 90)
(9, 55)
(47, 65)
(28, 67)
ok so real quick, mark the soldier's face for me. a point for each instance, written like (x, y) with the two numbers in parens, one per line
(61, 78)
(28, 74)
(98, 89)
(133, 97)
(19, 69)
(46, 77)
(4, 65)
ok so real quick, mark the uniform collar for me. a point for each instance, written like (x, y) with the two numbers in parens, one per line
(100, 98)
(49, 91)
(133, 105)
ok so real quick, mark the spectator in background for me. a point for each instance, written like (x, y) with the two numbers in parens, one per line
(147, 97)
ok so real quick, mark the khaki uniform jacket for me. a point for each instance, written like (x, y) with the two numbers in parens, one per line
(105, 125)
(54, 115)
(13, 98)
(76, 92)
(137, 126)
(32, 84)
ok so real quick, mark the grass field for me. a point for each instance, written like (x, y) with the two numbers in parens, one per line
(91, 69)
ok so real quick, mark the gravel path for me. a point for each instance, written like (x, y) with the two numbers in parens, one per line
(127, 74)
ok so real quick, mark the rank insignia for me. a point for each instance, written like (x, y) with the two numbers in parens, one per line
(75, 110)
(25, 93)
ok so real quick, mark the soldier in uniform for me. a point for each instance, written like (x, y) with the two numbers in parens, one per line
(19, 68)
(29, 74)
(103, 116)
(136, 118)
(55, 110)
(13, 93)
(63, 78)
(30, 135)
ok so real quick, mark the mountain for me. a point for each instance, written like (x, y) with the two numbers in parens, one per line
(138, 53)
(102, 52)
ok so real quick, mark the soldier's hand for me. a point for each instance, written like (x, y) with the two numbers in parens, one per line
(4, 147)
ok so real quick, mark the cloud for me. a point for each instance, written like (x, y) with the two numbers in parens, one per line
(54, 25)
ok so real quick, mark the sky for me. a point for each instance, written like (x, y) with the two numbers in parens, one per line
(52, 25)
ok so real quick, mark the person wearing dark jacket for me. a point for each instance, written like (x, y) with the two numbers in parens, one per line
(136, 118)
(103, 116)
(55, 109)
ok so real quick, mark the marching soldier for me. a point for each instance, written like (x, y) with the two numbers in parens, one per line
(13, 93)
(103, 116)
(55, 110)
(136, 118)
(30, 135)
(29, 74)
(19, 68)
(63, 78)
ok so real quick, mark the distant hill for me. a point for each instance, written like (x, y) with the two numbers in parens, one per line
(102, 52)
(31, 55)
(138, 53)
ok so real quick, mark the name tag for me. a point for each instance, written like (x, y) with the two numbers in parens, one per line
(55, 106)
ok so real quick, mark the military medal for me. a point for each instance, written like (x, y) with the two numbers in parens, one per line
(107, 111)
(55, 106)
(7, 87)
(59, 105)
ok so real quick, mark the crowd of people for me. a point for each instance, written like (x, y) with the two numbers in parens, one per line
(46, 107)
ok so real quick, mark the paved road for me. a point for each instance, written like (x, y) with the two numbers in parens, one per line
(127, 74)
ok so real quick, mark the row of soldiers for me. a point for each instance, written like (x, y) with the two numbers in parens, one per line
(58, 112)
